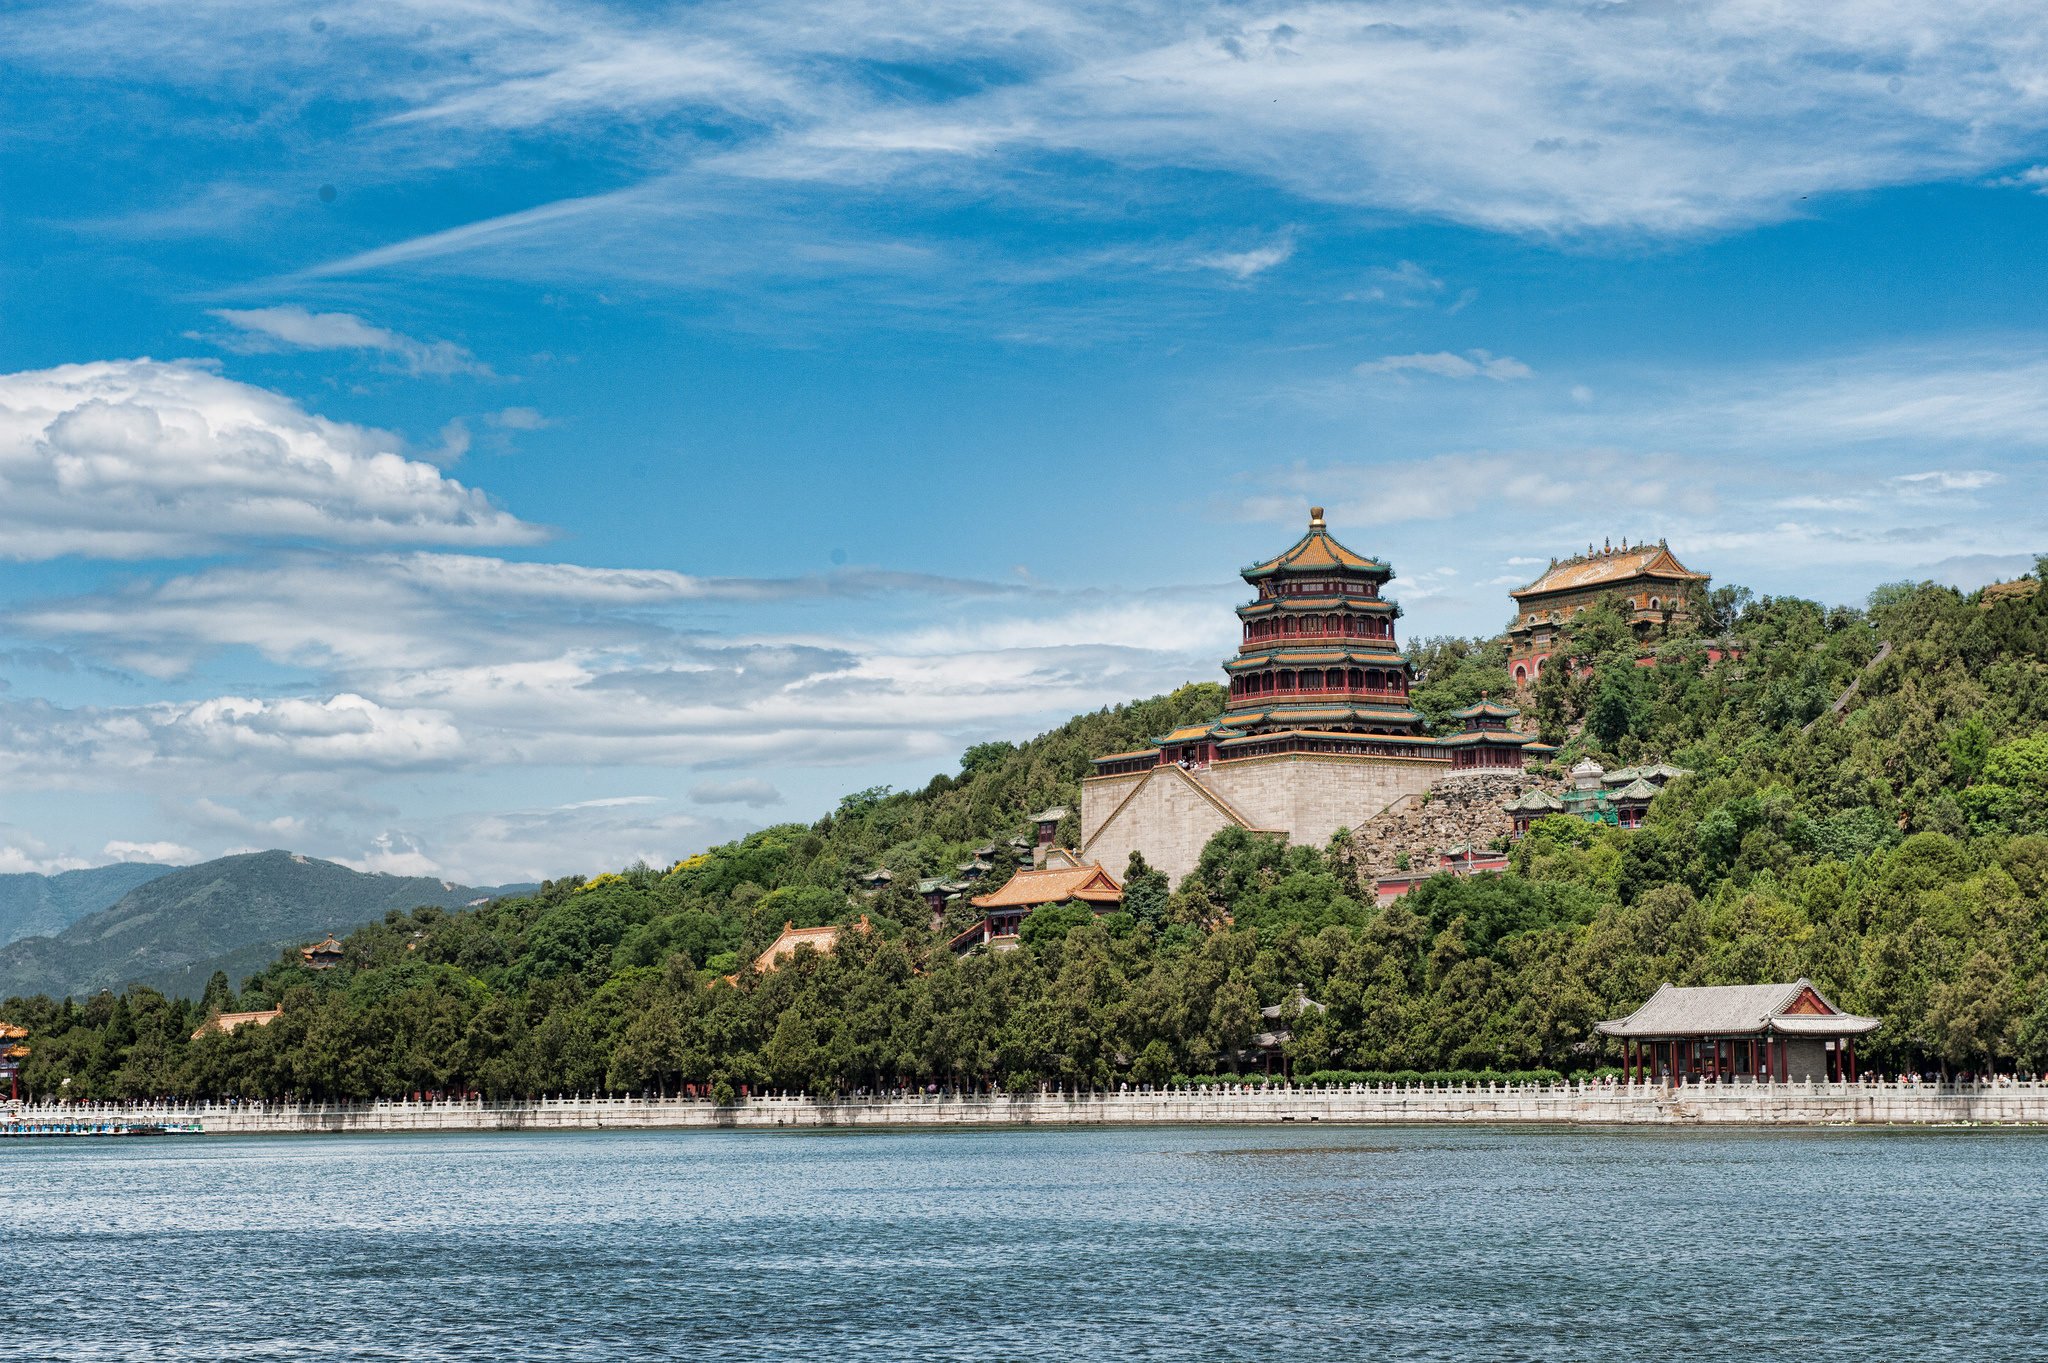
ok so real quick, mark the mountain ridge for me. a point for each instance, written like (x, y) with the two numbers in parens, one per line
(230, 907)
(37, 905)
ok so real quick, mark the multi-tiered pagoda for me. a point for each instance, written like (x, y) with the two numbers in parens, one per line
(1317, 668)
(1317, 735)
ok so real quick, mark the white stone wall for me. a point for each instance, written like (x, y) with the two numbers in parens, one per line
(1308, 796)
(1169, 819)
(1793, 1104)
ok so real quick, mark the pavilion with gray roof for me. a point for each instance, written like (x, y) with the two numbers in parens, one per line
(1739, 1033)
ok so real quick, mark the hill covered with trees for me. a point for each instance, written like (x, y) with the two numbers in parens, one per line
(1895, 851)
(182, 920)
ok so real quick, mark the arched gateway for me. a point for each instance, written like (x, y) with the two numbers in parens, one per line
(1317, 734)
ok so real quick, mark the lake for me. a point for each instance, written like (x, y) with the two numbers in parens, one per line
(1224, 1243)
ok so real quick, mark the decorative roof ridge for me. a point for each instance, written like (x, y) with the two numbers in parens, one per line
(1339, 555)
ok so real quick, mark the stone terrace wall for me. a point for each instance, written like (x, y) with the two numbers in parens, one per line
(1561, 1104)
(1464, 808)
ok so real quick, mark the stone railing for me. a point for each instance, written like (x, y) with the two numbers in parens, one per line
(1570, 1103)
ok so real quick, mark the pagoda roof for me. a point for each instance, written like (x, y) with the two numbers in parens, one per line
(1486, 709)
(1735, 1009)
(1315, 655)
(1188, 732)
(1416, 739)
(1120, 756)
(1637, 791)
(1090, 884)
(1534, 800)
(1608, 568)
(1053, 815)
(1320, 601)
(1316, 552)
(1364, 714)
(1506, 738)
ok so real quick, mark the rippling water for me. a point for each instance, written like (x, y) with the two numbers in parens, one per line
(1160, 1243)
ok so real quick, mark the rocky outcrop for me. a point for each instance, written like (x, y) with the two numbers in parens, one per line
(1465, 808)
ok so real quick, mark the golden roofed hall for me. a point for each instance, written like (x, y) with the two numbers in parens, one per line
(1657, 586)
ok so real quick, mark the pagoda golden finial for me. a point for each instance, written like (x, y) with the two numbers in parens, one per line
(1315, 518)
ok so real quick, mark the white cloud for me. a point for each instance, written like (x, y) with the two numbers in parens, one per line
(140, 459)
(1552, 482)
(393, 854)
(2034, 178)
(165, 853)
(751, 791)
(519, 419)
(1407, 285)
(1543, 120)
(1483, 364)
(21, 855)
(293, 328)
(1943, 480)
(507, 846)
(1983, 395)
(1245, 264)
(424, 663)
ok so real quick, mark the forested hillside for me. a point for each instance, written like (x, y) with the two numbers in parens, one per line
(189, 916)
(34, 905)
(1895, 852)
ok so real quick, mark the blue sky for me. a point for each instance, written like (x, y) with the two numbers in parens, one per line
(502, 440)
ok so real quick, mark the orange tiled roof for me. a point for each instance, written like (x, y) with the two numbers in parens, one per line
(821, 940)
(1050, 886)
(227, 1022)
(1575, 574)
(1317, 549)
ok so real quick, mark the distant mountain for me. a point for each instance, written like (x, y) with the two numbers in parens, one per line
(35, 906)
(236, 907)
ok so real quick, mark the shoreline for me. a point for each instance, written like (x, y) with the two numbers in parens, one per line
(1755, 1106)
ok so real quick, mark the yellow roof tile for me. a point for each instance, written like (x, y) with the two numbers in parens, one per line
(1606, 569)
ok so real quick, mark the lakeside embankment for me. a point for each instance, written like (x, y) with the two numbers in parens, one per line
(1559, 1104)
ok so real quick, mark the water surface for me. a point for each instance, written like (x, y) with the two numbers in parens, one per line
(1208, 1242)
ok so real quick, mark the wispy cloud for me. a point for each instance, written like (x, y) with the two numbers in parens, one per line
(293, 328)
(1454, 484)
(1245, 264)
(1546, 121)
(1406, 285)
(1981, 393)
(1480, 364)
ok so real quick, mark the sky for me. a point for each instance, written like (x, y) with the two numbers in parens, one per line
(500, 440)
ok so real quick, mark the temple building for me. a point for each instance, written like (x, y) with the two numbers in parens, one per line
(1004, 910)
(1317, 734)
(820, 940)
(1619, 798)
(1656, 584)
(1486, 742)
(227, 1022)
(323, 955)
(1739, 1033)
